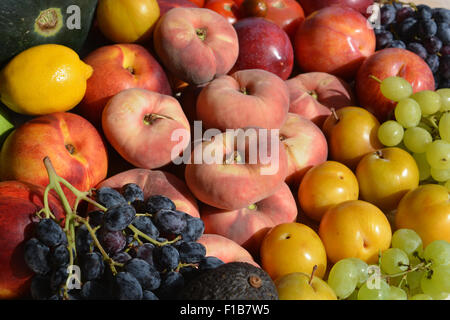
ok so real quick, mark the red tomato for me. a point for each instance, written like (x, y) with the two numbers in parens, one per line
(226, 8)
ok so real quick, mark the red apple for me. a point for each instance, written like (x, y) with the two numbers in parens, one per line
(306, 147)
(19, 203)
(247, 226)
(142, 132)
(225, 249)
(166, 5)
(313, 94)
(195, 44)
(385, 63)
(157, 182)
(334, 40)
(74, 146)
(247, 98)
(116, 68)
(263, 45)
(312, 5)
(237, 168)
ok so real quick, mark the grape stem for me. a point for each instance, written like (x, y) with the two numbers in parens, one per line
(71, 217)
(110, 261)
(420, 266)
(139, 233)
(375, 78)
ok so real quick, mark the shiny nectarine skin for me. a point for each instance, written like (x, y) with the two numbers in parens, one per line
(426, 210)
(19, 203)
(351, 133)
(324, 186)
(385, 176)
(335, 40)
(292, 247)
(355, 229)
(74, 146)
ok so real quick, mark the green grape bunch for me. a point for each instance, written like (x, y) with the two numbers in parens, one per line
(406, 271)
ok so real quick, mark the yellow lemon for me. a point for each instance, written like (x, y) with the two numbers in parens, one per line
(44, 79)
(127, 21)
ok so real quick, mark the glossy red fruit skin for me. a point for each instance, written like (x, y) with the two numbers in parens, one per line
(19, 203)
(226, 8)
(334, 40)
(385, 63)
(287, 14)
(312, 5)
(263, 45)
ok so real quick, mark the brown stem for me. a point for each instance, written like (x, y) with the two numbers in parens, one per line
(312, 274)
(334, 113)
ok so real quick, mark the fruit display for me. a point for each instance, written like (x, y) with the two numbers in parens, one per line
(247, 150)
(129, 248)
(419, 29)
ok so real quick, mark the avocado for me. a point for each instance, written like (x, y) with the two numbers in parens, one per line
(231, 281)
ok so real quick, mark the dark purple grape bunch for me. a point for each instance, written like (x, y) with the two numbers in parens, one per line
(131, 248)
(419, 29)
(46, 254)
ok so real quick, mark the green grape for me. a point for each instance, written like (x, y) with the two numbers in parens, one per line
(421, 296)
(394, 260)
(444, 127)
(429, 101)
(408, 113)
(422, 165)
(353, 296)
(395, 281)
(437, 283)
(396, 88)
(361, 266)
(390, 133)
(374, 293)
(425, 126)
(414, 278)
(447, 184)
(408, 241)
(438, 154)
(440, 175)
(396, 293)
(417, 139)
(343, 278)
(445, 99)
(438, 252)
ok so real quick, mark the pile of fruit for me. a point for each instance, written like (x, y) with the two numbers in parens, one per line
(224, 149)
(420, 29)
